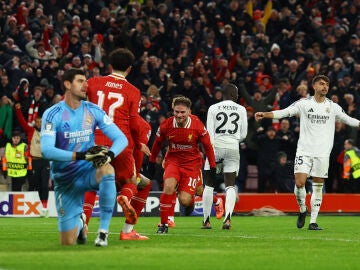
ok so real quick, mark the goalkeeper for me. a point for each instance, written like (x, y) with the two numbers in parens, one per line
(67, 139)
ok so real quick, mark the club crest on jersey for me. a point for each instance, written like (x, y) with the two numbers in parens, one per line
(48, 129)
(327, 110)
(190, 137)
(48, 126)
(88, 121)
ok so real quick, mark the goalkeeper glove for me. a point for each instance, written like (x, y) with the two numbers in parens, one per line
(92, 152)
(103, 160)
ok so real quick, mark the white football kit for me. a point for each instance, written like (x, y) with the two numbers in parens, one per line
(227, 126)
(317, 128)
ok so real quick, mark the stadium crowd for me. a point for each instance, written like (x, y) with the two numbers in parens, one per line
(271, 50)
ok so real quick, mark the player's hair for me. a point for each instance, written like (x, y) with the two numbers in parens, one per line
(320, 77)
(121, 59)
(181, 100)
(69, 75)
(230, 91)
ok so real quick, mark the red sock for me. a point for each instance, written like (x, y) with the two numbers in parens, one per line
(139, 200)
(173, 203)
(165, 206)
(44, 203)
(129, 190)
(89, 201)
(215, 199)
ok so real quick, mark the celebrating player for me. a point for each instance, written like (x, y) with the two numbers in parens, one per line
(183, 161)
(121, 100)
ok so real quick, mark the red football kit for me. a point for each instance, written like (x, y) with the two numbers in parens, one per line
(183, 160)
(121, 101)
(141, 136)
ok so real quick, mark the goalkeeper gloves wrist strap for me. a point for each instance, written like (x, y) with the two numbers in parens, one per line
(80, 155)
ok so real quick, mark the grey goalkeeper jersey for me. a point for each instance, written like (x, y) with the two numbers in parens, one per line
(317, 124)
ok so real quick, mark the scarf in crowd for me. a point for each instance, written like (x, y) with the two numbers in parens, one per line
(16, 95)
(33, 112)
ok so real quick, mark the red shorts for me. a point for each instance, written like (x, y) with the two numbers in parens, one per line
(124, 165)
(188, 177)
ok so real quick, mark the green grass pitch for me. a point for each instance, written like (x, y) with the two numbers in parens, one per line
(252, 243)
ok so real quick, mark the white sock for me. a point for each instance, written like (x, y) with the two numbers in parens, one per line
(127, 228)
(230, 200)
(207, 199)
(80, 225)
(316, 200)
(172, 218)
(300, 194)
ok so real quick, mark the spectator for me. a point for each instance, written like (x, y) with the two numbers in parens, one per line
(74, 46)
(293, 73)
(302, 92)
(251, 146)
(335, 181)
(287, 138)
(36, 106)
(284, 174)
(6, 119)
(351, 173)
(37, 50)
(39, 178)
(268, 144)
(5, 87)
(17, 161)
(153, 96)
(258, 102)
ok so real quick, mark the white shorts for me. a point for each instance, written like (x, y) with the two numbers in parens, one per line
(230, 157)
(312, 166)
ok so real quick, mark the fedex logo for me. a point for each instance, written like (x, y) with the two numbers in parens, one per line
(16, 204)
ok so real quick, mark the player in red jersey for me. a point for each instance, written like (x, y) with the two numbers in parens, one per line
(183, 160)
(121, 100)
(143, 183)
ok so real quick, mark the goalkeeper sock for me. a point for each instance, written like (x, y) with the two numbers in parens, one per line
(107, 197)
(300, 194)
(80, 225)
(230, 200)
(89, 201)
(315, 201)
(139, 200)
(207, 199)
(165, 205)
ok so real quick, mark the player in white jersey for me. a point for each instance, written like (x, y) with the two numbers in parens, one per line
(317, 126)
(227, 126)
